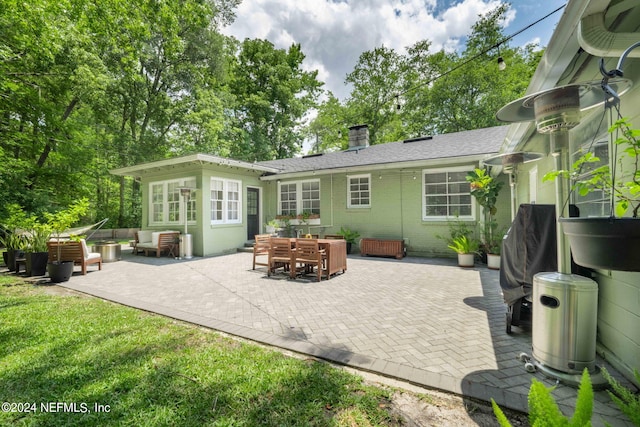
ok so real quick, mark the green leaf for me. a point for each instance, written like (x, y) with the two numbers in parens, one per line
(584, 403)
(621, 207)
(543, 410)
(500, 416)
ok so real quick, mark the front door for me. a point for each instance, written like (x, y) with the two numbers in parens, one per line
(253, 212)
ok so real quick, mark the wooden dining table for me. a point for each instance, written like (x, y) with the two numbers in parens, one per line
(336, 250)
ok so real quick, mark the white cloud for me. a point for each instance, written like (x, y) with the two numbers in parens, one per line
(334, 33)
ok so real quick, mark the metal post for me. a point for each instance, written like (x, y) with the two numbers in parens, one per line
(559, 143)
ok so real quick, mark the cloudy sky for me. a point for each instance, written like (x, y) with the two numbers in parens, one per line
(333, 33)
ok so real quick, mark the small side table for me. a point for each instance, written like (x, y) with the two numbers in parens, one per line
(19, 262)
(174, 250)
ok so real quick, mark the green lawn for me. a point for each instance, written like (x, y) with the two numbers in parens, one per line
(113, 365)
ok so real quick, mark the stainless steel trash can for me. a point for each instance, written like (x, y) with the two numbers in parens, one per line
(186, 246)
(565, 317)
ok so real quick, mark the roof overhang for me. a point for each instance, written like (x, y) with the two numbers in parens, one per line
(192, 159)
(415, 164)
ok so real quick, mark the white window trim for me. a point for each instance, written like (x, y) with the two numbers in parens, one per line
(165, 202)
(225, 201)
(349, 204)
(425, 218)
(298, 195)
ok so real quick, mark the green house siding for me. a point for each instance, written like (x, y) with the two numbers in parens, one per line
(395, 211)
(208, 239)
(225, 238)
(618, 316)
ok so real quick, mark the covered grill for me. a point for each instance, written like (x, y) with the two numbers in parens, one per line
(528, 248)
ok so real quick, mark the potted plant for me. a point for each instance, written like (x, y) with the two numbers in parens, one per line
(608, 242)
(485, 189)
(349, 236)
(466, 248)
(286, 228)
(494, 248)
(271, 226)
(14, 239)
(493, 244)
(59, 222)
(37, 254)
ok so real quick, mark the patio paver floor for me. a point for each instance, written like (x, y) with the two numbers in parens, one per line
(424, 321)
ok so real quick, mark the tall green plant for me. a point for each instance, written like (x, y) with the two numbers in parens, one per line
(62, 220)
(623, 186)
(14, 224)
(39, 235)
(485, 189)
(628, 402)
(349, 235)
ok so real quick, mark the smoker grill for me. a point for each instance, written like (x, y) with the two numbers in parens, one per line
(528, 248)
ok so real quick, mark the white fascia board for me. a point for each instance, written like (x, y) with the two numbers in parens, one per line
(138, 170)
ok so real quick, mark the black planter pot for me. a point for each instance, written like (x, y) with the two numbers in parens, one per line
(349, 247)
(60, 271)
(5, 256)
(12, 254)
(36, 263)
(604, 243)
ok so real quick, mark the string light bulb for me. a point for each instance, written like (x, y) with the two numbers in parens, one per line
(501, 64)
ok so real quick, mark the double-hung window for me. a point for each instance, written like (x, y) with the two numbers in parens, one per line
(447, 194)
(226, 201)
(294, 198)
(596, 202)
(359, 191)
(166, 204)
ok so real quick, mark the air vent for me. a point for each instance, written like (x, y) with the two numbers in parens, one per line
(312, 155)
(420, 138)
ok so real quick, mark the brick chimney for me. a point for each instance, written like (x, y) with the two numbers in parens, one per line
(358, 137)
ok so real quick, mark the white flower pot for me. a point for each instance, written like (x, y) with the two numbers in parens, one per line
(466, 260)
(493, 261)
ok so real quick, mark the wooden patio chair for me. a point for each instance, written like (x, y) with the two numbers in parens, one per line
(333, 236)
(309, 255)
(261, 248)
(281, 256)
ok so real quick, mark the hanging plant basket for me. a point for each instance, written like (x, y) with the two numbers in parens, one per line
(604, 243)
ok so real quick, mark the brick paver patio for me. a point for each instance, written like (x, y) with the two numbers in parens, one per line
(425, 321)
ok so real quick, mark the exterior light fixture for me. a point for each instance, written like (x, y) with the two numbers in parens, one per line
(501, 64)
(509, 163)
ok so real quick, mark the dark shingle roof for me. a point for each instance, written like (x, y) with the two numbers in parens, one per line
(467, 143)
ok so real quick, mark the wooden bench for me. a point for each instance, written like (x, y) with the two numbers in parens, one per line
(167, 241)
(76, 251)
(382, 247)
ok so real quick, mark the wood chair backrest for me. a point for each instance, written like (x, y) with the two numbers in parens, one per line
(308, 249)
(334, 236)
(280, 247)
(262, 243)
(69, 251)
